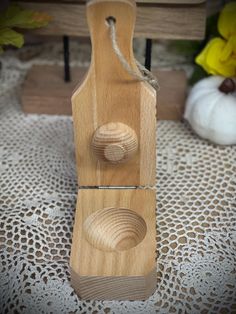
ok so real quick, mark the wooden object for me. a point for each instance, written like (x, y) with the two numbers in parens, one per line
(114, 142)
(114, 243)
(172, 95)
(141, 2)
(45, 92)
(110, 94)
(114, 127)
(167, 19)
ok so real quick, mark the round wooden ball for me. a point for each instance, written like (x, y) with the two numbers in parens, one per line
(114, 142)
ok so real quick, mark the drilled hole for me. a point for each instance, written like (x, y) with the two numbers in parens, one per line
(114, 229)
(110, 19)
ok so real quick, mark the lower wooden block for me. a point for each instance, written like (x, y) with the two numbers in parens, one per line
(114, 244)
(114, 288)
(45, 92)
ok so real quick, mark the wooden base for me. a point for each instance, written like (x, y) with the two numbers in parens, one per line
(114, 288)
(114, 244)
(45, 92)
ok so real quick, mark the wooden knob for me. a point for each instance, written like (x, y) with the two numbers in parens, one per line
(114, 142)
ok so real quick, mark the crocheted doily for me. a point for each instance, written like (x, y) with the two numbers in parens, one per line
(196, 216)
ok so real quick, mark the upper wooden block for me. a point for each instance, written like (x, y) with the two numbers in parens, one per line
(110, 95)
(168, 19)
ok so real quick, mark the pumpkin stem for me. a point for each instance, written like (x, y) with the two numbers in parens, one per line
(227, 86)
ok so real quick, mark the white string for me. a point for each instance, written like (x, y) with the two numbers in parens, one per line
(147, 75)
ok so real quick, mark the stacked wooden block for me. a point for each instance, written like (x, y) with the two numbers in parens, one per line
(114, 242)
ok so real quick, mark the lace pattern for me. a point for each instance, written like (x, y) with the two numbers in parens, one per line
(196, 215)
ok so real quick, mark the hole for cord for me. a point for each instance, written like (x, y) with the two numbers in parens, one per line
(110, 18)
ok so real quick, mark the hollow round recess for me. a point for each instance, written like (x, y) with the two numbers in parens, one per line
(114, 229)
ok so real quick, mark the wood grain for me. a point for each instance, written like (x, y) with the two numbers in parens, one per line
(172, 95)
(110, 94)
(172, 21)
(114, 227)
(141, 202)
(114, 142)
(189, 2)
(114, 287)
(45, 92)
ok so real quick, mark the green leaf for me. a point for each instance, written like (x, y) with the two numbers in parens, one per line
(15, 16)
(211, 26)
(198, 74)
(185, 47)
(11, 37)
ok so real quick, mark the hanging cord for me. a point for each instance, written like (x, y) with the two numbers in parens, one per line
(147, 75)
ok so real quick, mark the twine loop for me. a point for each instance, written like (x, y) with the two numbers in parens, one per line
(146, 75)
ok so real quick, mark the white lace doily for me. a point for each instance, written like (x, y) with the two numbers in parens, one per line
(196, 216)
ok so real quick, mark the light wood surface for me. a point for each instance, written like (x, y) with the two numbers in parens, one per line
(172, 95)
(45, 92)
(114, 287)
(114, 142)
(170, 21)
(110, 94)
(114, 244)
(143, 2)
(114, 229)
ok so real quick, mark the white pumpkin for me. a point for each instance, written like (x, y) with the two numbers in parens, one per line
(211, 109)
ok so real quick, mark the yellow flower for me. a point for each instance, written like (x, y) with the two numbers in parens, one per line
(219, 55)
(227, 21)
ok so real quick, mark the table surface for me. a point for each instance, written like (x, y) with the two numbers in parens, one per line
(195, 217)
